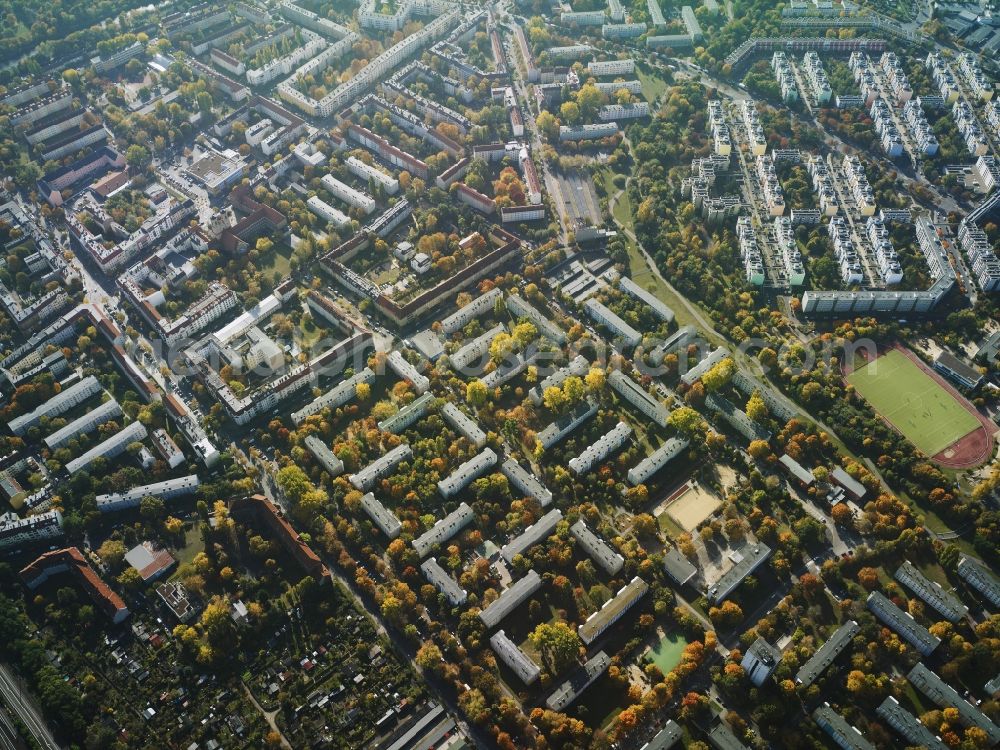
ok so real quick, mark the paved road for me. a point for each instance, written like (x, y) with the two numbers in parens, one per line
(17, 697)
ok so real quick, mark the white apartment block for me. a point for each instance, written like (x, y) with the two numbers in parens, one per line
(86, 423)
(61, 403)
(720, 130)
(622, 30)
(464, 315)
(899, 84)
(943, 77)
(515, 659)
(337, 396)
(755, 132)
(659, 458)
(283, 66)
(597, 549)
(885, 126)
(847, 256)
(109, 448)
(638, 397)
(861, 189)
(578, 366)
(968, 126)
(975, 79)
(405, 371)
(885, 254)
(326, 212)
(372, 174)
(601, 315)
(864, 76)
(660, 310)
(790, 256)
(582, 18)
(470, 470)
(168, 489)
(381, 516)
(920, 130)
(589, 132)
(444, 529)
(463, 424)
(535, 534)
(611, 67)
(615, 112)
(770, 186)
(16, 531)
(476, 350)
(816, 75)
(616, 12)
(350, 196)
(600, 449)
(753, 260)
(983, 260)
(381, 467)
(785, 77)
(525, 482)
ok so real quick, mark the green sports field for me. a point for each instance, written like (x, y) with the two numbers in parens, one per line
(926, 414)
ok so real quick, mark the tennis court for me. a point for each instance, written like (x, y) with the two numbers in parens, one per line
(910, 399)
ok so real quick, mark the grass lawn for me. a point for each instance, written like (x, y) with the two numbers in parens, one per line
(926, 414)
(652, 82)
(667, 653)
(642, 275)
(276, 260)
(193, 544)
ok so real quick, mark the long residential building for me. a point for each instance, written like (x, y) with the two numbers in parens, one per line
(408, 372)
(903, 623)
(381, 516)
(558, 430)
(443, 582)
(61, 403)
(168, 489)
(519, 308)
(908, 725)
(945, 603)
(85, 423)
(463, 424)
(826, 653)
(525, 482)
(365, 479)
(516, 594)
(659, 458)
(612, 611)
(337, 396)
(71, 560)
(977, 575)
(518, 661)
(566, 694)
(600, 449)
(109, 448)
(597, 549)
(326, 457)
(751, 557)
(845, 736)
(15, 531)
(444, 529)
(408, 415)
(537, 533)
(467, 472)
(943, 694)
(638, 397)
(621, 330)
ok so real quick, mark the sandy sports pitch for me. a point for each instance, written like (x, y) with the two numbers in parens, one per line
(690, 505)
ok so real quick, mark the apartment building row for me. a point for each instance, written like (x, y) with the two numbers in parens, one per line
(920, 130)
(885, 254)
(785, 77)
(754, 130)
(753, 259)
(982, 258)
(817, 78)
(791, 258)
(899, 83)
(770, 186)
(969, 127)
(977, 81)
(889, 135)
(944, 79)
(857, 183)
(845, 252)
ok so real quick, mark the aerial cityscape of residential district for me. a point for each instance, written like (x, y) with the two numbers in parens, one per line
(499, 374)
